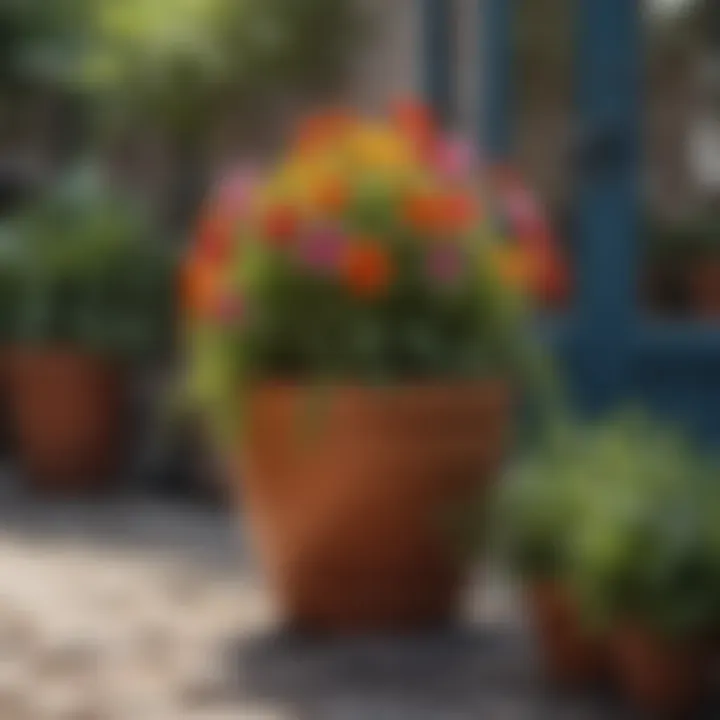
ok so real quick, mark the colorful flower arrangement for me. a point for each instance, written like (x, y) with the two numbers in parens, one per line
(366, 256)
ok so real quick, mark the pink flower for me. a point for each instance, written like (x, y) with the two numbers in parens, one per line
(445, 264)
(454, 158)
(230, 309)
(235, 190)
(321, 249)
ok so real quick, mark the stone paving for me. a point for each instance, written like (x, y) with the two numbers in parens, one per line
(130, 610)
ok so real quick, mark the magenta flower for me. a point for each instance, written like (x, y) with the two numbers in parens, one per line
(231, 310)
(321, 249)
(235, 190)
(455, 159)
(445, 264)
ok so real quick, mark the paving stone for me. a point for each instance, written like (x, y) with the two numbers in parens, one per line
(138, 611)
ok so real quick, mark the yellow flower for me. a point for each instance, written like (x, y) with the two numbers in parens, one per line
(513, 265)
(377, 147)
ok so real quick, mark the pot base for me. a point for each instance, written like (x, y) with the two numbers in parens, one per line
(660, 677)
(572, 657)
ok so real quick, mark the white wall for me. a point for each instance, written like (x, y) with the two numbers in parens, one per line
(391, 64)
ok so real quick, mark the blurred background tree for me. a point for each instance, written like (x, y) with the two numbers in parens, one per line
(180, 62)
(174, 71)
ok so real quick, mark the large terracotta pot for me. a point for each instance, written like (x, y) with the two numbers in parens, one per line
(661, 677)
(67, 409)
(352, 494)
(705, 289)
(573, 657)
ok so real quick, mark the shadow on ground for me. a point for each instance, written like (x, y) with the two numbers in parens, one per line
(458, 674)
(483, 670)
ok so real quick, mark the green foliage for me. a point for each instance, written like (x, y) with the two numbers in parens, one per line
(82, 267)
(627, 513)
(177, 62)
(311, 326)
(307, 328)
(538, 508)
(647, 547)
(40, 41)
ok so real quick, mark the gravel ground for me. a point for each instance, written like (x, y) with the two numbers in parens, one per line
(129, 610)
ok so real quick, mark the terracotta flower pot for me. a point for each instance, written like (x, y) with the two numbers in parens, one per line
(705, 289)
(661, 677)
(67, 408)
(573, 657)
(351, 512)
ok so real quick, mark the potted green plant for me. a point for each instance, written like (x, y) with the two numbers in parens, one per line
(647, 567)
(539, 508)
(352, 338)
(87, 292)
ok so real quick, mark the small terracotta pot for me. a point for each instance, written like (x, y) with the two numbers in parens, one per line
(661, 677)
(351, 513)
(67, 410)
(705, 289)
(573, 657)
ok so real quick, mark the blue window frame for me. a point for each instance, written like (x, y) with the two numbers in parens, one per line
(614, 353)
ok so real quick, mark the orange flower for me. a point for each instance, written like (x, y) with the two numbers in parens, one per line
(414, 120)
(215, 235)
(460, 212)
(515, 267)
(424, 213)
(199, 287)
(332, 195)
(433, 213)
(318, 131)
(366, 268)
(281, 224)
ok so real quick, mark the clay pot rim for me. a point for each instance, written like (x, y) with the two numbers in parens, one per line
(439, 384)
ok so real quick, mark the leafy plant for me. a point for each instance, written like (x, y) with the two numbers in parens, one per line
(39, 41)
(646, 549)
(539, 506)
(177, 63)
(81, 267)
(362, 258)
(625, 513)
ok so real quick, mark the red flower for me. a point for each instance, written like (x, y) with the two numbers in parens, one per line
(424, 213)
(332, 196)
(281, 225)
(216, 235)
(321, 129)
(414, 120)
(367, 269)
(440, 215)
(460, 212)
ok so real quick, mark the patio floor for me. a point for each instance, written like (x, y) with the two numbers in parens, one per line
(133, 610)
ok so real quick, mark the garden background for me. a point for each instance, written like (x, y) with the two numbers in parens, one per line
(147, 599)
